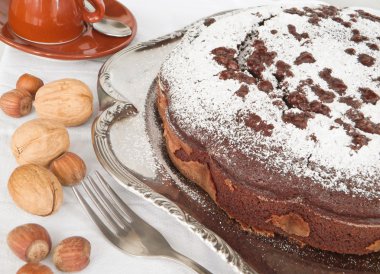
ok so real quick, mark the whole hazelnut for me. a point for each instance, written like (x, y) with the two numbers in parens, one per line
(69, 168)
(35, 189)
(72, 254)
(16, 103)
(29, 83)
(34, 268)
(29, 242)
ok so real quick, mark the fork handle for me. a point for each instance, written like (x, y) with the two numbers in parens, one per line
(187, 261)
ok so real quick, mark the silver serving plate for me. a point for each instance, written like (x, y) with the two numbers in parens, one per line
(127, 139)
(115, 106)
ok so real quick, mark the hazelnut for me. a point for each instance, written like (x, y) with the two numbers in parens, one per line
(72, 254)
(34, 268)
(30, 242)
(69, 168)
(16, 103)
(29, 83)
(374, 247)
(292, 224)
(35, 189)
(39, 141)
(68, 101)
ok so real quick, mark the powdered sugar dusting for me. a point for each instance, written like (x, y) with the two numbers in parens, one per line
(202, 103)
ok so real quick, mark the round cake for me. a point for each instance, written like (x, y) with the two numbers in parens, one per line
(275, 113)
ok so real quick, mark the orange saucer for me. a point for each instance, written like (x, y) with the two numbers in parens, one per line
(91, 44)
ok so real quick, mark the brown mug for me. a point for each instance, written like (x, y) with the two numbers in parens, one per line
(52, 21)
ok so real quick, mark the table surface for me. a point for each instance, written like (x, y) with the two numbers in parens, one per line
(154, 18)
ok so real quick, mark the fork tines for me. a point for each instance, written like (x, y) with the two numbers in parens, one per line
(116, 214)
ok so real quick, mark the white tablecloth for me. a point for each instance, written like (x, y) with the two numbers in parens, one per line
(154, 18)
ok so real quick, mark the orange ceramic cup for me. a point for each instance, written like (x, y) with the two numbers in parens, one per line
(51, 21)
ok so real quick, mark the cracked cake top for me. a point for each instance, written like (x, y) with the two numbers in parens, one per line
(297, 89)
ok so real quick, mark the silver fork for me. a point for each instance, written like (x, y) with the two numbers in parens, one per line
(123, 227)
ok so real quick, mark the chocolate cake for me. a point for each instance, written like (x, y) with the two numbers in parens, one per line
(275, 113)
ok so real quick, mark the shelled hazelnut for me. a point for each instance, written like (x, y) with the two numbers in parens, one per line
(29, 83)
(34, 268)
(16, 103)
(29, 242)
(72, 254)
(69, 168)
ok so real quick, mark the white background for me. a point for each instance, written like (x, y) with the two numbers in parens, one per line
(154, 18)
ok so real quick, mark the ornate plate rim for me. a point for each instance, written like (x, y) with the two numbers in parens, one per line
(116, 107)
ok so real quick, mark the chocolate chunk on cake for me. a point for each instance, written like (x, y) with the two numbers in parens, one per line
(275, 113)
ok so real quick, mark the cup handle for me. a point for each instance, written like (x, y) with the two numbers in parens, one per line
(93, 16)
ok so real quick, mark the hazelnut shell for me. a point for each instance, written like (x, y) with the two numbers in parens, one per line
(16, 103)
(69, 168)
(34, 268)
(29, 83)
(72, 254)
(29, 242)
